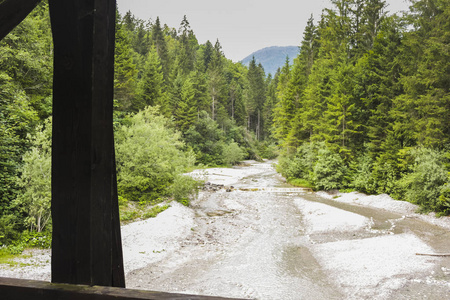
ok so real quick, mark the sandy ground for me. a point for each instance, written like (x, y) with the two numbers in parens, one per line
(267, 240)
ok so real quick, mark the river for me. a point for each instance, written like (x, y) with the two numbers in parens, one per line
(259, 238)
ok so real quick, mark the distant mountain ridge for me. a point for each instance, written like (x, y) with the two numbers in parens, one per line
(272, 58)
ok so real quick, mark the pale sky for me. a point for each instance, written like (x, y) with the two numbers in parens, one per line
(242, 26)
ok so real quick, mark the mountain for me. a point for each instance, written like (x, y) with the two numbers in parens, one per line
(272, 58)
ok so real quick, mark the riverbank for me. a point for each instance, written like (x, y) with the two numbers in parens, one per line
(385, 202)
(264, 239)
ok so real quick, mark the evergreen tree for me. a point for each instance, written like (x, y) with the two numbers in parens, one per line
(150, 90)
(25, 99)
(159, 42)
(186, 55)
(125, 72)
(256, 97)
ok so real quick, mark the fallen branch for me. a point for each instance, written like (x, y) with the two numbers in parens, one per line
(437, 254)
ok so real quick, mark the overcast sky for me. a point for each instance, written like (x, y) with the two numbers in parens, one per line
(242, 26)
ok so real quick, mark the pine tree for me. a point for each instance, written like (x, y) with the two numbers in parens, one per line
(150, 89)
(281, 120)
(159, 42)
(125, 73)
(256, 97)
(187, 112)
(188, 47)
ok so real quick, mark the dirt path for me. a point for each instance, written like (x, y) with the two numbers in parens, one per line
(267, 240)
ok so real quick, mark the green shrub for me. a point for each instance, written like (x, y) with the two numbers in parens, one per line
(35, 179)
(14, 249)
(9, 229)
(425, 185)
(232, 154)
(362, 178)
(329, 171)
(154, 211)
(443, 204)
(206, 139)
(34, 239)
(301, 164)
(149, 156)
(301, 183)
(270, 151)
(128, 215)
(184, 188)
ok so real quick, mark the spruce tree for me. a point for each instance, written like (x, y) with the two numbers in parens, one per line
(150, 89)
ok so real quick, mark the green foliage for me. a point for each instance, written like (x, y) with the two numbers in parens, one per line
(362, 175)
(232, 154)
(25, 89)
(443, 203)
(9, 228)
(133, 212)
(269, 150)
(128, 215)
(372, 87)
(206, 140)
(35, 179)
(301, 183)
(149, 156)
(32, 239)
(364, 90)
(27, 239)
(316, 165)
(184, 188)
(424, 185)
(154, 211)
(329, 171)
(150, 88)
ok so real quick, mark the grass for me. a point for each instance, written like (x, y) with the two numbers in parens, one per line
(301, 183)
(6, 258)
(131, 211)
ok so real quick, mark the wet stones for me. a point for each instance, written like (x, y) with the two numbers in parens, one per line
(212, 187)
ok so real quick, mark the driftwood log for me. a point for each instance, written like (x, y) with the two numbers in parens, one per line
(434, 254)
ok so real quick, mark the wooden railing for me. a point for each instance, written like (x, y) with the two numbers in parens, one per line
(20, 289)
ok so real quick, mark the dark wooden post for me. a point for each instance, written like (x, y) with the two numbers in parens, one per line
(86, 246)
(12, 12)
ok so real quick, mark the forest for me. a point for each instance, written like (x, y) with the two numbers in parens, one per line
(365, 106)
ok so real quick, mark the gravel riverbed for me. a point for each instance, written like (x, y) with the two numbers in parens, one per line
(259, 238)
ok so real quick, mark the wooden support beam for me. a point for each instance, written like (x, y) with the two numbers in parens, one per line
(19, 289)
(12, 12)
(86, 247)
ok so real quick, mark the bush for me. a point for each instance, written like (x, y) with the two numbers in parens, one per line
(329, 170)
(443, 204)
(9, 229)
(232, 154)
(35, 179)
(154, 211)
(206, 139)
(41, 240)
(301, 165)
(184, 188)
(149, 156)
(362, 177)
(270, 151)
(426, 184)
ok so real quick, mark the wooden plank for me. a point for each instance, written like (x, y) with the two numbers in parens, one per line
(102, 143)
(86, 249)
(19, 289)
(12, 12)
(71, 148)
(118, 272)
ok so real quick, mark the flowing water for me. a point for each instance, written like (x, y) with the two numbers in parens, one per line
(268, 240)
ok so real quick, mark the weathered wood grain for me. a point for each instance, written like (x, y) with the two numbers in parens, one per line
(86, 244)
(12, 12)
(19, 289)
